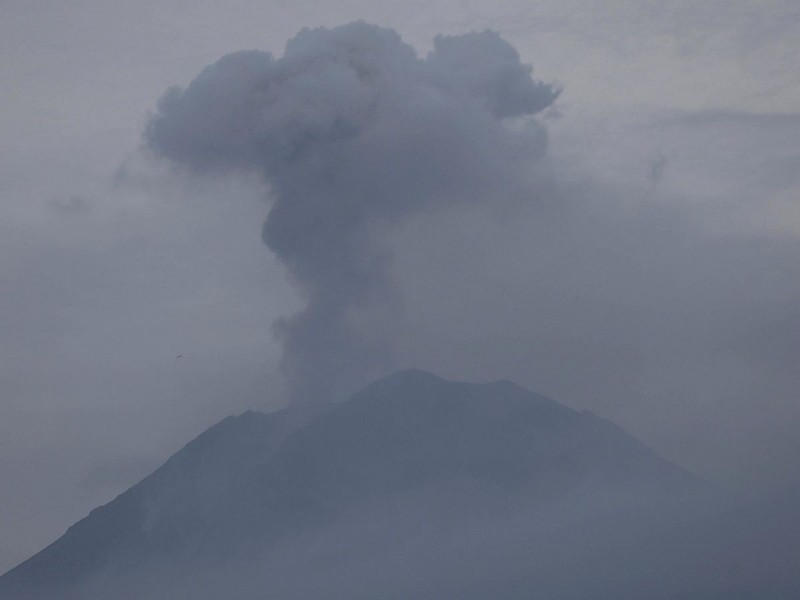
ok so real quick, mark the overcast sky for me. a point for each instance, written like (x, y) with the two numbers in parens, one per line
(649, 270)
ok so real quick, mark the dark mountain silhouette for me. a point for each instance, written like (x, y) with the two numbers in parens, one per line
(293, 492)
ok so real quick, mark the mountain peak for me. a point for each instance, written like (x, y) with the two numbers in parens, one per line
(412, 441)
(407, 378)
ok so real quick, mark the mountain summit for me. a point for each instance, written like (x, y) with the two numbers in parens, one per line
(292, 506)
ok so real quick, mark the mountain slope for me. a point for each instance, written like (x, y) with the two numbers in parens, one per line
(397, 460)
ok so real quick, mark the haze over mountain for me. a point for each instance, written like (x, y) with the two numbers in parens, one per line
(653, 277)
(433, 200)
(410, 462)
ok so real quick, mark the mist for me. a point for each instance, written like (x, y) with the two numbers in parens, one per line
(573, 552)
(424, 488)
(641, 261)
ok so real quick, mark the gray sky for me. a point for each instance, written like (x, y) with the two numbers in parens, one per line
(652, 274)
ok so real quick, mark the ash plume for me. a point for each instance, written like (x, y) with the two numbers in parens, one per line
(353, 133)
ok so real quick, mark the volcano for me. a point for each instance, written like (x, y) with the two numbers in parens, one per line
(415, 487)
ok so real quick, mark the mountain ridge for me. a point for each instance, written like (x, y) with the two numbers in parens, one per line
(254, 480)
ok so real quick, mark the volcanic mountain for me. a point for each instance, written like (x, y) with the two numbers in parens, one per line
(415, 487)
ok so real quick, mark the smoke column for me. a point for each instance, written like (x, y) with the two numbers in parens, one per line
(353, 132)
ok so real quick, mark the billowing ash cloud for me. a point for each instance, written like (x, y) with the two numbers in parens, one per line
(353, 132)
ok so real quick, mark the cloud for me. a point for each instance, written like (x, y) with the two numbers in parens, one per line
(670, 309)
(73, 205)
(354, 133)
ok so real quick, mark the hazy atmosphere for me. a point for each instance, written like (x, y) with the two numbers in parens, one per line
(599, 201)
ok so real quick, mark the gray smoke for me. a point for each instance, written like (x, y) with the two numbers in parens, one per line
(353, 133)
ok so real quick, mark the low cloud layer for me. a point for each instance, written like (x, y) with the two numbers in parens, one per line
(353, 133)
